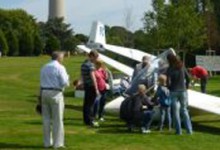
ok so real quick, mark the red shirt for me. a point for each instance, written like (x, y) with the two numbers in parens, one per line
(101, 77)
(199, 72)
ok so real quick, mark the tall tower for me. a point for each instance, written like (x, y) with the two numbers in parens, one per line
(56, 9)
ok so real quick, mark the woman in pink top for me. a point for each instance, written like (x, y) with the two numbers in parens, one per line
(101, 78)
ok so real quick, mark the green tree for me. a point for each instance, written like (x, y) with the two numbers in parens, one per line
(115, 40)
(178, 26)
(38, 45)
(140, 41)
(3, 43)
(58, 28)
(82, 38)
(52, 44)
(70, 44)
(13, 43)
(24, 28)
(216, 6)
(120, 36)
(26, 43)
(154, 27)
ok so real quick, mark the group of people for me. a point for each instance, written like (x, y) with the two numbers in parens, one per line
(171, 94)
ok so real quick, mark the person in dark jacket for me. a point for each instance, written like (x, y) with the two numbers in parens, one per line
(90, 88)
(177, 85)
(142, 109)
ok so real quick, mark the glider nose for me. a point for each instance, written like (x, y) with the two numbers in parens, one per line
(113, 107)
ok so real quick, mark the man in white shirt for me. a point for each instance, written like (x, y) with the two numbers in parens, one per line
(53, 80)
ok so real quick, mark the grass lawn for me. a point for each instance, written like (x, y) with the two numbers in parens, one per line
(20, 126)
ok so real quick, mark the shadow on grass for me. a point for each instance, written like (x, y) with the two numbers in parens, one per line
(113, 129)
(214, 92)
(113, 125)
(18, 146)
(207, 121)
(67, 122)
(112, 119)
(197, 126)
(74, 107)
(69, 94)
(34, 122)
(73, 121)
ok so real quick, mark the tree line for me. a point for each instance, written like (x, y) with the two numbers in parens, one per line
(22, 35)
(189, 26)
(186, 25)
(18, 33)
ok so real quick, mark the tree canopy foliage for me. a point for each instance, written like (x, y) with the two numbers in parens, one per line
(19, 28)
(22, 35)
(60, 33)
(185, 25)
(3, 43)
(176, 25)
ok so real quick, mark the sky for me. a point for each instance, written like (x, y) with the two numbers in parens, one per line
(81, 13)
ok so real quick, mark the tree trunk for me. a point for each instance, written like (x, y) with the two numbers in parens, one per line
(184, 57)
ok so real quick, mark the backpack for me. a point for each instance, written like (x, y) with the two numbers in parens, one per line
(164, 98)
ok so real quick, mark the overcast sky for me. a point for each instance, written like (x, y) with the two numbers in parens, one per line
(81, 13)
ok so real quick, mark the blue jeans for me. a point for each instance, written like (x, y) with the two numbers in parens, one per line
(179, 105)
(165, 112)
(147, 119)
(99, 105)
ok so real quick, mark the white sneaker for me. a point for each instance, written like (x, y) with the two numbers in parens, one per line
(59, 147)
(148, 131)
(95, 124)
(144, 131)
(102, 119)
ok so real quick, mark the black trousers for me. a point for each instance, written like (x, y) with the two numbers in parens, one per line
(89, 99)
(203, 83)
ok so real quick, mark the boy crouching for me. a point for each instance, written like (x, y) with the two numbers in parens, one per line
(142, 109)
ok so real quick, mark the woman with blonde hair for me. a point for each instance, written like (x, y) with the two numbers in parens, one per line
(101, 78)
(163, 97)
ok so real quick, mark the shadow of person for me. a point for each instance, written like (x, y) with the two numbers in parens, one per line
(214, 92)
(69, 94)
(18, 146)
(74, 107)
(197, 126)
(118, 130)
(34, 122)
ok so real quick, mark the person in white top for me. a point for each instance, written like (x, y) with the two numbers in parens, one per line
(53, 80)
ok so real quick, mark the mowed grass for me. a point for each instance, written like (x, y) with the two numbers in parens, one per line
(21, 127)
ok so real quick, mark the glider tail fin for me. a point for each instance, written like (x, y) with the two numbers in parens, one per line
(97, 38)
